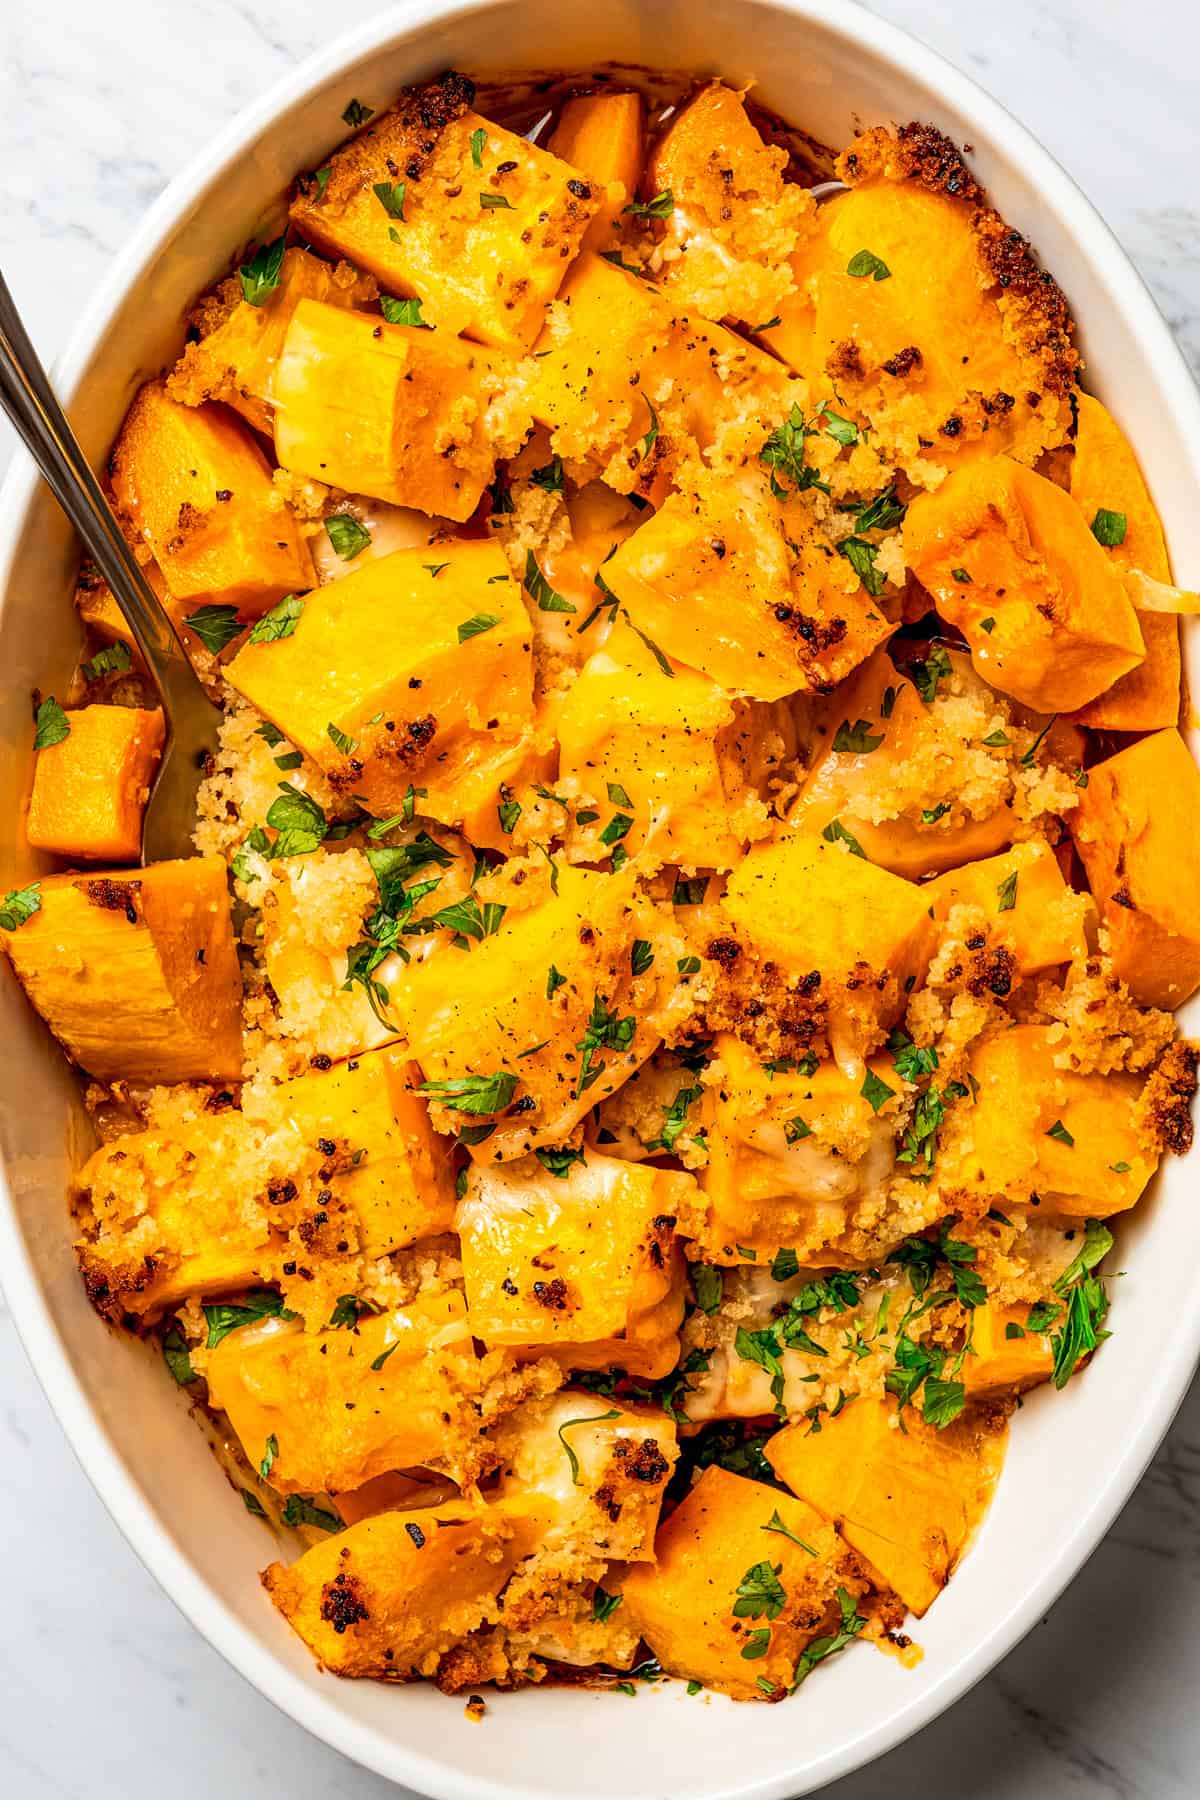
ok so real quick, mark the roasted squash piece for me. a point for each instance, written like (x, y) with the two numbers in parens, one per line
(657, 737)
(1009, 561)
(633, 388)
(601, 136)
(929, 312)
(1038, 1134)
(1006, 1356)
(723, 582)
(198, 490)
(905, 1500)
(395, 1390)
(811, 905)
(388, 1164)
(414, 417)
(479, 229)
(1028, 906)
(1135, 830)
(420, 663)
(594, 1470)
(388, 1597)
(582, 1265)
(520, 1039)
(915, 791)
(745, 1578)
(137, 974)
(212, 1200)
(234, 359)
(90, 789)
(790, 1154)
(735, 219)
(1105, 478)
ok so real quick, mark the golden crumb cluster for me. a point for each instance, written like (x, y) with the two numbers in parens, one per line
(676, 982)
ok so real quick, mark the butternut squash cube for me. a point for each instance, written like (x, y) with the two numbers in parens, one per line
(633, 389)
(234, 360)
(199, 491)
(479, 229)
(389, 1164)
(90, 790)
(789, 1155)
(582, 1266)
(1006, 1357)
(388, 1597)
(961, 348)
(1105, 477)
(905, 1500)
(1009, 561)
(1134, 829)
(915, 791)
(812, 905)
(657, 736)
(593, 1468)
(413, 417)
(423, 662)
(731, 1599)
(735, 220)
(1029, 907)
(136, 974)
(601, 136)
(519, 1039)
(394, 1391)
(721, 584)
(213, 1200)
(1034, 1130)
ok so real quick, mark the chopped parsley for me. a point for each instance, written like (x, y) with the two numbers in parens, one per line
(280, 622)
(478, 140)
(215, 626)
(926, 675)
(709, 1285)
(494, 202)
(851, 1622)
(1059, 1132)
(390, 196)
(661, 207)
(856, 739)
(347, 535)
(614, 1412)
(225, 1316)
(357, 114)
(51, 724)
(604, 1031)
(864, 263)
(477, 1095)
(260, 276)
(114, 659)
(539, 590)
(549, 477)
(1006, 892)
(476, 625)
(19, 906)
(836, 833)
(558, 1162)
(300, 1510)
(1108, 528)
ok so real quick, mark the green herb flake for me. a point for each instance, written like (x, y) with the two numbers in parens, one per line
(347, 535)
(709, 1285)
(875, 1091)
(1108, 528)
(963, 576)
(403, 312)
(864, 263)
(496, 202)
(476, 625)
(260, 276)
(357, 114)
(51, 724)
(604, 1605)
(114, 659)
(215, 626)
(641, 956)
(474, 1094)
(861, 557)
(539, 590)
(390, 196)
(996, 740)
(225, 1316)
(850, 1624)
(795, 1130)
(550, 477)
(340, 741)
(856, 739)
(300, 1510)
(19, 906)
(554, 980)
(177, 1358)
(269, 1454)
(567, 1424)
(478, 140)
(1006, 892)
(837, 833)
(760, 1593)
(661, 207)
(1059, 1132)
(926, 675)
(279, 623)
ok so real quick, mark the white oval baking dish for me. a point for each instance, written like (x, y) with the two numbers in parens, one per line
(1074, 1457)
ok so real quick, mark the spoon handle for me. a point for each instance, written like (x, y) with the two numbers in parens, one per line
(28, 399)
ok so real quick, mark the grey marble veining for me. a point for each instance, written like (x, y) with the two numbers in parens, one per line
(99, 106)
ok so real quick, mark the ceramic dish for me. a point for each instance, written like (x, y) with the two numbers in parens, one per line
(1076, 1458)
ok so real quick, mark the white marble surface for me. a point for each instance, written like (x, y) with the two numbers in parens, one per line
(104, 1689)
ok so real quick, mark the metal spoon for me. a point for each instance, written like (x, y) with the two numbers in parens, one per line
(190, 717)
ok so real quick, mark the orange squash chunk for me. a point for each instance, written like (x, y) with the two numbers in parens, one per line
(808, 904)
(199, 491)
(1010, 561)
(409, 416)
(136, 972)
(389, 1596)
(905, 1500)
(1033, 1130)
(234, 361)
(583, 1266)
(691, 1607)
(421, 661)
(735, 219)
(905, 745)
(1135, 830)
(1006, 1357)
(1105, 477)
(90, 790)
(602, 135)
(394, 1391)
(480, 229)
(1028, 905)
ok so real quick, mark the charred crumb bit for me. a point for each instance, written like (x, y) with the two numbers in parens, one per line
(475, 1708)
(724, 951)
(904, 361)
(992, 972)
(1166, 1102)
(342, 1604)
(647, 1464)
(115, 896)
(415, 1533)
(845, 362)
(553, 1295)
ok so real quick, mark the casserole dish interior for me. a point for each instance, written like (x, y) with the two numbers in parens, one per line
(1072, 1463)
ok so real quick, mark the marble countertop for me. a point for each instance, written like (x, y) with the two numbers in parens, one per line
(99, 106)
